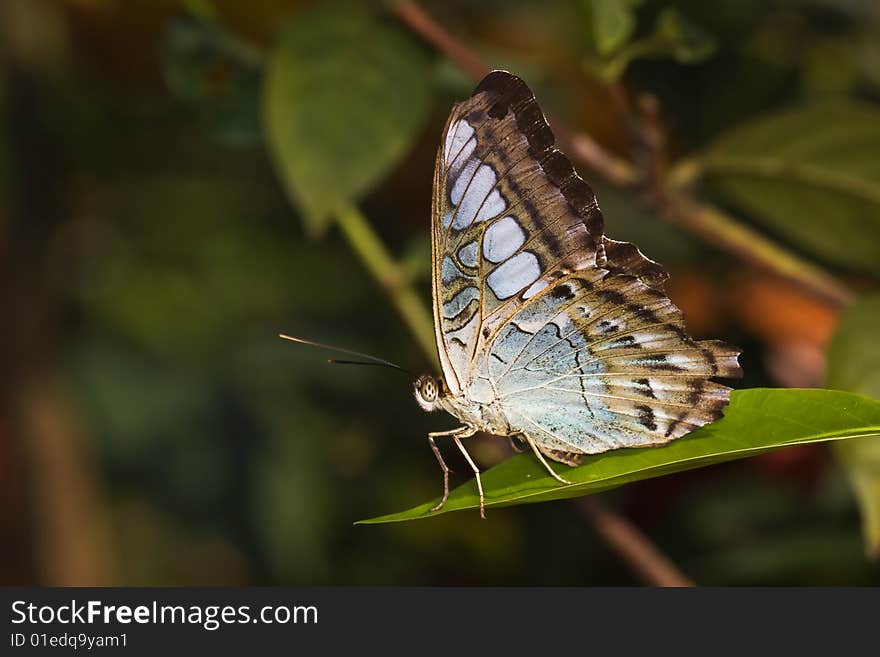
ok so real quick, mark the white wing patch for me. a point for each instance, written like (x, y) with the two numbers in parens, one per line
(462, 184)
(536, 287)
(494, 204)
(502, 239)
(471, 184)
(475, 196)
(456, 139)
(510, 277)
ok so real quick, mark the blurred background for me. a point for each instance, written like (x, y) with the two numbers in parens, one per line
(164, 214)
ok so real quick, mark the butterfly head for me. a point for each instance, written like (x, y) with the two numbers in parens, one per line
(428, 391)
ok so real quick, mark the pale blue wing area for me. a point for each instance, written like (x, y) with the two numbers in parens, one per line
(598, 362)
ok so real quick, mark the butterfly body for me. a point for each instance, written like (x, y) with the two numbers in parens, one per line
(473, 408)
(547, 329)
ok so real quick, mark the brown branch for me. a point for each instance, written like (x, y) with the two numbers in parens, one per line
(423, 24)
(582, 146)
(701, 219)
(723, 231)
(628, 541)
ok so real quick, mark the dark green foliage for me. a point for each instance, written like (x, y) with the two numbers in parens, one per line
(811, 175)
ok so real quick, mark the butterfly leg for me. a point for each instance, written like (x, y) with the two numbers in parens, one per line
(443, 466)
(544, 461)
(457, 438)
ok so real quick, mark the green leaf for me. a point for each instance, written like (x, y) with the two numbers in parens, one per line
(854, 364)
(687, 42)
(854, 352)
(673, 36)
(812, 175)
(218, 75)
(756, 421)
(346, 94)
(612, 23)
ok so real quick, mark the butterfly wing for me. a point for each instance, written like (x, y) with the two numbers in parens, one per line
(601, 361)
(567, 330)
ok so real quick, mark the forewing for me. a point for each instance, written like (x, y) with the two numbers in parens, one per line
(509, 217)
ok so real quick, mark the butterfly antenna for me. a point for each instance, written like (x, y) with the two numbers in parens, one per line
(374, 360)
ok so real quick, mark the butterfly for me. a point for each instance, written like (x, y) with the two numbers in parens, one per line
(548, 331)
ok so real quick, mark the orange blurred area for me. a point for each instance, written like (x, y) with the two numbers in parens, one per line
(780, 312)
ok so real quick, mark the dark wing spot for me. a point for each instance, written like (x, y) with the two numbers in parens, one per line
(646, 418)
(564, 291)
(645, 314)
(613, 296)
(625, 341)
(710, 358)
(693, 399)
(606, 327)
(645, 388)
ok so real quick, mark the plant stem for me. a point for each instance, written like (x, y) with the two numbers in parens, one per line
(615, 170)
(653, 566)
(391, 276)
(423, 24)
(725, 232)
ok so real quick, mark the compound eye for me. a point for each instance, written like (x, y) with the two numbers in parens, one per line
(429, 390)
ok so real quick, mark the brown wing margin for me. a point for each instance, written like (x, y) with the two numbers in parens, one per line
(625, 258)
(508, 92)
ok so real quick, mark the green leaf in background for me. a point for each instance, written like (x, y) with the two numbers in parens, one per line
(346, 93)
(854, 364)
(687, 42)
(674, 36)
(612, 23)
(756, 421)
(218, 74)
(812, 175)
